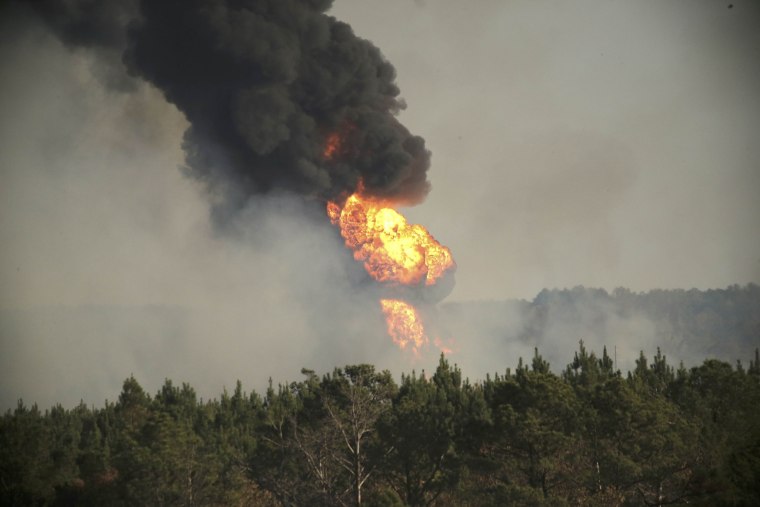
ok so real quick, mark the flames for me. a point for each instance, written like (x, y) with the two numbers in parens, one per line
(332, 146)
(406, 329)
(394, 253)
(404, 324)
(392, 250)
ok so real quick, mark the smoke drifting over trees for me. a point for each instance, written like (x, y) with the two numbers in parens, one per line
(263, 85)
(684, 325)
(107, 259)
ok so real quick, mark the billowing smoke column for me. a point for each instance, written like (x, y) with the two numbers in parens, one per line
(263, 83)
(280, 96)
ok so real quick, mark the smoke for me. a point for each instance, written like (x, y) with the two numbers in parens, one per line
(262, 84)
(624, 163)
(111, 264)
(513, 329)
(685, 326)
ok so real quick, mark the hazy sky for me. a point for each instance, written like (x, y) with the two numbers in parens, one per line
(597, 143)
(602, 143)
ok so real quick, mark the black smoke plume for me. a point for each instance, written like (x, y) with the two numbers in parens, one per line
(264, 84)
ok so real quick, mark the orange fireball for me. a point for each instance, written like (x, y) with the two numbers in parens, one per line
(404, 324)
(392, 250)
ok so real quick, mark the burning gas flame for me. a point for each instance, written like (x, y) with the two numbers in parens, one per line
(404, 324)
(392, 250)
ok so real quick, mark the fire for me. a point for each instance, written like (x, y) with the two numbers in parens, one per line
(392, 250)
(404, 324)
(332, 146)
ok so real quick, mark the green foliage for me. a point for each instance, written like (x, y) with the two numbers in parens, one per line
(590, 436)
(428, 431)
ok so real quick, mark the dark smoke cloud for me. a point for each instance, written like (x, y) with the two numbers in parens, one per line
(263, 84)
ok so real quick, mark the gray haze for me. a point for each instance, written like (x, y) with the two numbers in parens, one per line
(597, 143)
(588, 142)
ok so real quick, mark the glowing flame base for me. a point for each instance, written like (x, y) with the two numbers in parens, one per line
(404, 324)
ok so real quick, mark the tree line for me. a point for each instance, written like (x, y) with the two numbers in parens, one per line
(589, 435)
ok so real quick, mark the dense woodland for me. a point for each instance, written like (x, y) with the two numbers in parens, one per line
(590, 435)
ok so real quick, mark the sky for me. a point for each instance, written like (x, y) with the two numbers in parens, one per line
(589, 143)
(582, 143)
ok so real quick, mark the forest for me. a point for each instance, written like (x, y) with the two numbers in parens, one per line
(660, 434)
